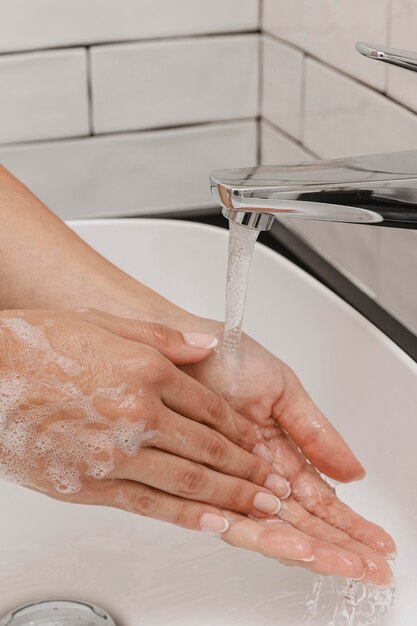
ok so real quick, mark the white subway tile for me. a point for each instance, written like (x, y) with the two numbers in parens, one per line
(345, 118)
(30, 24)
(277, 148)
(165, 83)
(397, 274)
(282, 85)
(43, 95)
(329, 30)
(132, 174)
(402, 84)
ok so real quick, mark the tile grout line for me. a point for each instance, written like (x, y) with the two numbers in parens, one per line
(90, 93)
(121, 42)
(260, 15)
(260, 83)
(260, 100)
(289, 137)
(303, 98)
(127, 133)
(342, 72)
(388, 33)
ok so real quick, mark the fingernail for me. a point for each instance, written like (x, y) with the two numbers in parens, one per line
(200, 340)
(265, 503)
(391, 556)
(212, 523)
(263, 452)
(278, 485)
(360, 476)
(361, 577)
(306, 559)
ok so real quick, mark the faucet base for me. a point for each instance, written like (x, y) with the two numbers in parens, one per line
(252, 220)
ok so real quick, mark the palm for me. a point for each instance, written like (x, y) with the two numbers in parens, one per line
(267, 392)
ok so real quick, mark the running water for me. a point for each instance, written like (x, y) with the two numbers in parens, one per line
(343, 602)
(332, 601)
(241, 245)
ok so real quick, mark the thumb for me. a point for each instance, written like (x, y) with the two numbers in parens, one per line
(312, 432)
(180, 348)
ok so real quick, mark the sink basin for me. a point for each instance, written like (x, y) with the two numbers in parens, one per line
(149, 573)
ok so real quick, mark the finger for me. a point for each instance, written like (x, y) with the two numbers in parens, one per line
(149, 502)
(377, 570)
(279, 540)
(314, 434)
(196, 442)
(180, 348)
(189, 398)
(189, 480)
(319, 499)
(315, 495)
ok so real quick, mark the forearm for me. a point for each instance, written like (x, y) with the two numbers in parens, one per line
(44, 264)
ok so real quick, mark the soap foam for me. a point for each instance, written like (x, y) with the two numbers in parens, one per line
(67, 439)
(34, 337)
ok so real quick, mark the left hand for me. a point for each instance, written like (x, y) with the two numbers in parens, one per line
(267, 392)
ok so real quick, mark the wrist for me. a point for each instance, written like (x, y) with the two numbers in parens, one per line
(134, 300)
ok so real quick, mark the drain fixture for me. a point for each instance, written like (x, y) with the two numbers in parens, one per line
(58, 613)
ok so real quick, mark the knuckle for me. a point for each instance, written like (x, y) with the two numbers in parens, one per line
(216, 408)
(237, 497)
(246, 435)
(216, 450)
(182, 516)
(89, 312)
(156, 368)
(159, 333)
(145, 503)
(256, 470)
(192, 481)
(150, 415)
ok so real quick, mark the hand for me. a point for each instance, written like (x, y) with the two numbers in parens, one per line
(92, 412)
(269, 394)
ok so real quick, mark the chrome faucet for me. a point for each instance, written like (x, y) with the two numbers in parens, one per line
(378, 189)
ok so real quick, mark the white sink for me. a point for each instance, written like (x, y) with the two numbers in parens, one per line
(148, 573)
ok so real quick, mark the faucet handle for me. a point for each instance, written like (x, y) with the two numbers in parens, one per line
(403, 58)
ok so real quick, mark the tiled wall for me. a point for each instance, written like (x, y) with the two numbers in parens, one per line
(120, 107)
(321, 99)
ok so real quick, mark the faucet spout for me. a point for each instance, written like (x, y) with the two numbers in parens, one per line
(378, 189)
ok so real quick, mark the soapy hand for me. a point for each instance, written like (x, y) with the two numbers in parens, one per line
(93, 410)
(269, 394)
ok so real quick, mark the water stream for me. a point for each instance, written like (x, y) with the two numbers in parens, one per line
(332, 601)
(241, 245)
